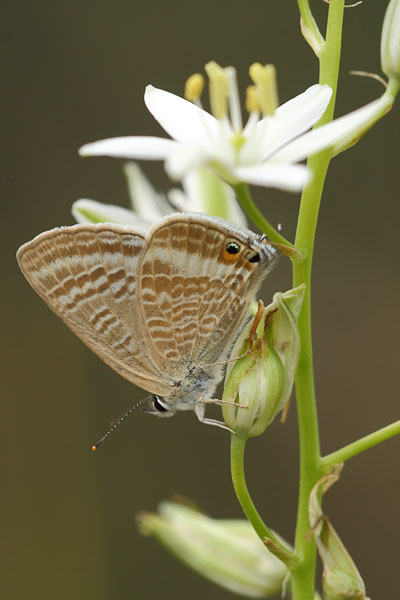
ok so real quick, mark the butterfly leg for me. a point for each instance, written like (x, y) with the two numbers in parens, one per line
(219, 402)
(217, 424)
(200, 408)
(225, 362)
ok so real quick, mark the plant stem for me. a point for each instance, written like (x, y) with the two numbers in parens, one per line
(246, 202)
(238, 444)
(302, 580)
(310, 469)
(364, 443)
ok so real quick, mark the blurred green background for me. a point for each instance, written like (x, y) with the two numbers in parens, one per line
(74, 72)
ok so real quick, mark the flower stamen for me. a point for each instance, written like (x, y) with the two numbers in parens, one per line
(219, 89)
(234, 101)
(267, 89)
(194, 87)
(252, 103)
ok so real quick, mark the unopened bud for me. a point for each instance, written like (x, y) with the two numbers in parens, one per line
(260, 383)
(255, 384)
(390, 41)
(340, 578)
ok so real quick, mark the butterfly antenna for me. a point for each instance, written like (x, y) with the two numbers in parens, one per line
(116, 423)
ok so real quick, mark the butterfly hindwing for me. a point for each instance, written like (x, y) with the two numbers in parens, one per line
(87, 274)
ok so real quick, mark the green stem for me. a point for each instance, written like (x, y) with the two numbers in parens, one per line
(393, 87)
(302, 581)
(364, 443)
(246, 202)
(238, 444)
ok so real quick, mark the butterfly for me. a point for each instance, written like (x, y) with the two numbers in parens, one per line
(162, 308)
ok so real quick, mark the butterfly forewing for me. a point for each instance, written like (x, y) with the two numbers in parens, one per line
(87, 274)
(194, 294)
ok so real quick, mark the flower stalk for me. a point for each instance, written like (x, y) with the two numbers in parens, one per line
(364, 443)
(238, 444)
(302, 580)
(246, 202)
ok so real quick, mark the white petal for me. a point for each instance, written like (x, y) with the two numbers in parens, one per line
(292, 119)
(178, 200)
(236, 215)
(146, 202)
(192, 187)
(315, 93)
(340, 130)
(151, 148)
(181, 119)
(90, 211)
(282, 176)
(184, 160)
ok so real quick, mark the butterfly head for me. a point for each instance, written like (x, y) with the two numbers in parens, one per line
(157, 405)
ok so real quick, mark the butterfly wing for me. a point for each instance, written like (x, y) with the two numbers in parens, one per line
(195, 293)
(87, 274)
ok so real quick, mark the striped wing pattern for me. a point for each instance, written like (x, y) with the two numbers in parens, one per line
(152, 307)
(194, 295)
(87, 274)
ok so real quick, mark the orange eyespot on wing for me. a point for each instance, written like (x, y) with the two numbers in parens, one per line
(230, 253)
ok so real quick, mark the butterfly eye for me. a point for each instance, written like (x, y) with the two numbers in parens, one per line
(232, 248)
(157, 404)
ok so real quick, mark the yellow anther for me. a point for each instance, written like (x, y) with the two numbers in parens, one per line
(252, 102)
(265, 81)
(194, 87)
(255, 71)
(219, 89)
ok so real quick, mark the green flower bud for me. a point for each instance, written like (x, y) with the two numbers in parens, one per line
(227, 552)
(255, 385)
(284, 313)
(260, 383)
(340, 578)
(390, 41)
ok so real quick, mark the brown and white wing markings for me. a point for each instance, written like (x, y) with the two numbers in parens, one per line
(87, 274)
(195, 294)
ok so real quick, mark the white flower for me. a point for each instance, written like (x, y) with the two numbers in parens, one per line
(202, 192)
(239, 154)
(265, 152)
